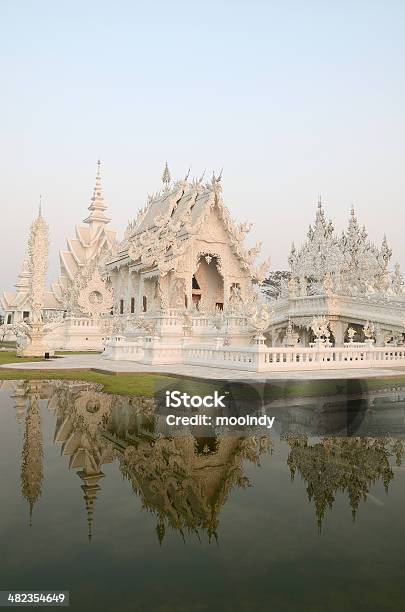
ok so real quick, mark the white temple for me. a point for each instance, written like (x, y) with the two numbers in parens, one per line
(345, 279)
(79, 296)
(181, 287)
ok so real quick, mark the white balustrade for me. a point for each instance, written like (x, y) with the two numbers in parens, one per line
(258, 358)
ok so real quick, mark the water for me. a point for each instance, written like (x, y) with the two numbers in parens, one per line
(126, 519)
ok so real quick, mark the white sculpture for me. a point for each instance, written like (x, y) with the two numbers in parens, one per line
(368, 330)
(360, 266)
(351, 333)
(33, 327)
(319, 327)
(291, 336)
(260, 319)
(95, 298)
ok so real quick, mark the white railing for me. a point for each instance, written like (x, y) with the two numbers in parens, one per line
(261, 358)
(83, 322)
(257, 358)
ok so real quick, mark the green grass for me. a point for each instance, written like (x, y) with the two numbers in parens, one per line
(136, 384)
(11, 357)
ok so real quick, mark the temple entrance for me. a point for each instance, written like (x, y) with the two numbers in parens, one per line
(208, 284)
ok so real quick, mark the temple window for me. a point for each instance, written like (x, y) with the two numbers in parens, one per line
(121, 306)
(144, 303)
(26, 314)
(9, 319)
(219, 305)
(132, 305)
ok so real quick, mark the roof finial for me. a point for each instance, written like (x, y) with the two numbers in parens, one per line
(166, 178)
(97, 205)
(40, 206)
(98, 177)
(319, 201)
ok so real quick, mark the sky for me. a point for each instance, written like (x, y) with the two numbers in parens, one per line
(293, 99)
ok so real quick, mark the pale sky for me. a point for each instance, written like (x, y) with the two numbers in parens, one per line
(292, 99)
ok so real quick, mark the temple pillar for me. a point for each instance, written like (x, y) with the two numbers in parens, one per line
(339, 330)
(140, 294)
(379, 336)
(304, 335)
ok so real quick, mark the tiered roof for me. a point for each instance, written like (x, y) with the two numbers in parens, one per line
(90, 242)
(172, 217)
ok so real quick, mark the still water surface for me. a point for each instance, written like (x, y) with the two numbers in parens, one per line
(94, 501)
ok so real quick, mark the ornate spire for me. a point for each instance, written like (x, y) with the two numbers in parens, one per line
(160, 530)
(32, 453)
(20, 401)
(397, 280)
(38, 247)
(386, 252)
(97, 205)
(320, 253)
(166, 178)
(90, 489)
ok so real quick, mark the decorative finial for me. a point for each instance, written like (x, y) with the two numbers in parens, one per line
(319, 201)
(166, 178)
(187, 175)
(217, 179)
(40, 207)
(98, 168)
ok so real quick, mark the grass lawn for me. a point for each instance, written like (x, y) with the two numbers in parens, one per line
(11, 357)
(146, 384)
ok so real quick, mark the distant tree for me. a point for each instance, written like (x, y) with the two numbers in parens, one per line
(276, 284)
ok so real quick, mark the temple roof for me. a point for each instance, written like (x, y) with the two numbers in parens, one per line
(162, 230)
(98, 206)
(89, 243)
(19, 301)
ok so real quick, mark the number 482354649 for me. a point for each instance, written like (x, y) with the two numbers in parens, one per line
(41, 598)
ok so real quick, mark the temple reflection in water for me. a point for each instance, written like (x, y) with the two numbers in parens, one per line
(185, 481)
